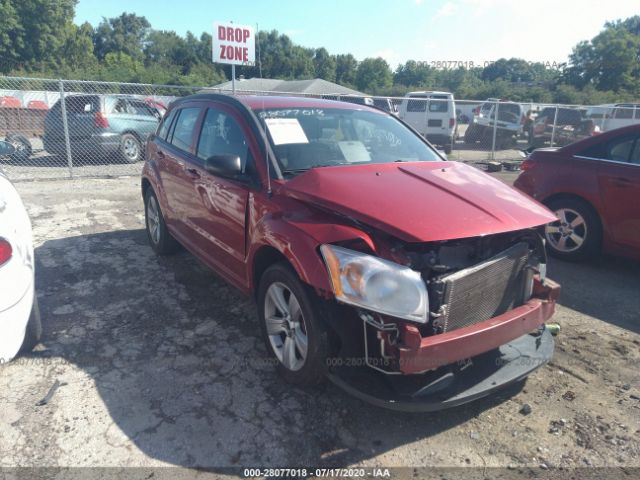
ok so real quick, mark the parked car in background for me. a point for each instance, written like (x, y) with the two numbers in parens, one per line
(509, 126)
(358, 241)
(593, 186)
(385, 104)
(432, 115)
(622, 115)
(20, 326)
(111, 126)
(570, 125)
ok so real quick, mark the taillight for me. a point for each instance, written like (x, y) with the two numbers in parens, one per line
(528, 164)
(452, 122)
(101, 120)
(5, 251)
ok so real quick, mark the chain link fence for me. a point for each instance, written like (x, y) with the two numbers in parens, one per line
(67, 128)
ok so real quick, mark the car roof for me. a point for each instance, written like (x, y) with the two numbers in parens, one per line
(259, 102)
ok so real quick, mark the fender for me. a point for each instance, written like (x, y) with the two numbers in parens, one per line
(152, 175)
(298, 239)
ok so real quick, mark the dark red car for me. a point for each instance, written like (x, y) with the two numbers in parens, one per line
(410, 281)
(593, 186)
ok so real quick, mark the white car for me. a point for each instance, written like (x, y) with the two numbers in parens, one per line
(20, 326)
(433, 115)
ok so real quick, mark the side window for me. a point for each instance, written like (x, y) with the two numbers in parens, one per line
(141, 108)
(619, 149)
(166, 123)
(624, 111)
(635, 155)
(222, 135)
(120, 106)
(184, 127)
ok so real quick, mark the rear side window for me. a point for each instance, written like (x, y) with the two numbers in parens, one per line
(184, 128)
(166, 123)
(141, 108)
(618, 149)
(82, 104)
(417, 105)
(624, 112)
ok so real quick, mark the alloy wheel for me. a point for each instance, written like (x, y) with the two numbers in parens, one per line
(285, 326)
(153, 220)
(569, 233)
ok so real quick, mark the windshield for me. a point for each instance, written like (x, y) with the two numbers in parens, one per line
(305, 138)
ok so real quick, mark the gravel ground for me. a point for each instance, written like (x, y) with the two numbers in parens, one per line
(160, 363)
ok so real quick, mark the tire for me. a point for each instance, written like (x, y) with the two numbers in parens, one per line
(130, 148)
(158, 235)
(447, 148)
(22, 145)
(33, 332)
(578, 233)
(288, 333)
(471, 134)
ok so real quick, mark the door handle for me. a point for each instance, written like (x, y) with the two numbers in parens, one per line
(192, 172)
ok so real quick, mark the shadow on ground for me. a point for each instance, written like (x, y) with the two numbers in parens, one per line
(605, 288)
(176, 357)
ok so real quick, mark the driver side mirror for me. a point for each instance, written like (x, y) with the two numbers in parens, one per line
(6, 149)
(224, 165)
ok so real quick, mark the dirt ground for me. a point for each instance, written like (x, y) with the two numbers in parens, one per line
(160, 363)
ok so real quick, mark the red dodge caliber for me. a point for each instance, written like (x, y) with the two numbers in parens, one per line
(410, 281)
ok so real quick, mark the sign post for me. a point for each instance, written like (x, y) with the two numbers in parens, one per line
(235, 45)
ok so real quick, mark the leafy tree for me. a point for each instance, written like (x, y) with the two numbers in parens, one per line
(324, 65)
(124, 34)
(346, 67)
(374, 75)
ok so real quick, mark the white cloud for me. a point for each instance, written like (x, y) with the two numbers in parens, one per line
(419, 2)
(447, 9)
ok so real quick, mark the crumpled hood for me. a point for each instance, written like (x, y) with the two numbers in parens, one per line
(419, 201)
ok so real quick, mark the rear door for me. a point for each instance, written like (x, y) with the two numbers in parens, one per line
(174, 156)
(621, 116)
(81, 118)
(619, 182)
(440, 115)
(414, 112)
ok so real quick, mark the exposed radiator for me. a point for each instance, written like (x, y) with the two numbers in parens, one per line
(481, 292)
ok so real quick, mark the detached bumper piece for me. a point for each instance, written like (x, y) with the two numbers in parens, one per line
(451, 385)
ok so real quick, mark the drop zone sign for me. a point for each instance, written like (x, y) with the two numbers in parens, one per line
(234, 44)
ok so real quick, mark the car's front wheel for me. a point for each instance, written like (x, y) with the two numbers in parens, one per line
(577, 232)
(159, 237)
(293, 332)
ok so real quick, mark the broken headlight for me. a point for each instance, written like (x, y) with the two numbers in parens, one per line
(376, 284)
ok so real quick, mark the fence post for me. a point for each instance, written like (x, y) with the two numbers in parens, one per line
(553, 130)
(495, 131)
(65, 126)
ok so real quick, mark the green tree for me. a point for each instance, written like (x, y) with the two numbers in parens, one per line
(374, 76)
(124, 34)
(324, 65)
(346, 67)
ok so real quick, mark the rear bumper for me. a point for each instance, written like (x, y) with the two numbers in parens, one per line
(449, 386)
(439, 139)
(419, 354)
(13, 324)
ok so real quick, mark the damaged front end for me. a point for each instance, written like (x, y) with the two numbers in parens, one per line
(481, 326)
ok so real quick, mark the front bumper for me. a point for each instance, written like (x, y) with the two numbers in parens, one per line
(449, 369)
(452, 385)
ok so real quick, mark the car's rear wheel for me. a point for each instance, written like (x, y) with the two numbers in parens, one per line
(293, 332)
(159, 237)
(472, 134)
(130, 148)
(577, 233)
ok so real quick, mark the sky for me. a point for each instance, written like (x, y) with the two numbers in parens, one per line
(476, 31)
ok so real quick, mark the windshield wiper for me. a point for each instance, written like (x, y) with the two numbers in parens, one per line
(301, 170)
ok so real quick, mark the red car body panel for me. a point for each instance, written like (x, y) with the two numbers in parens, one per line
(611, 188)
(421, 201)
